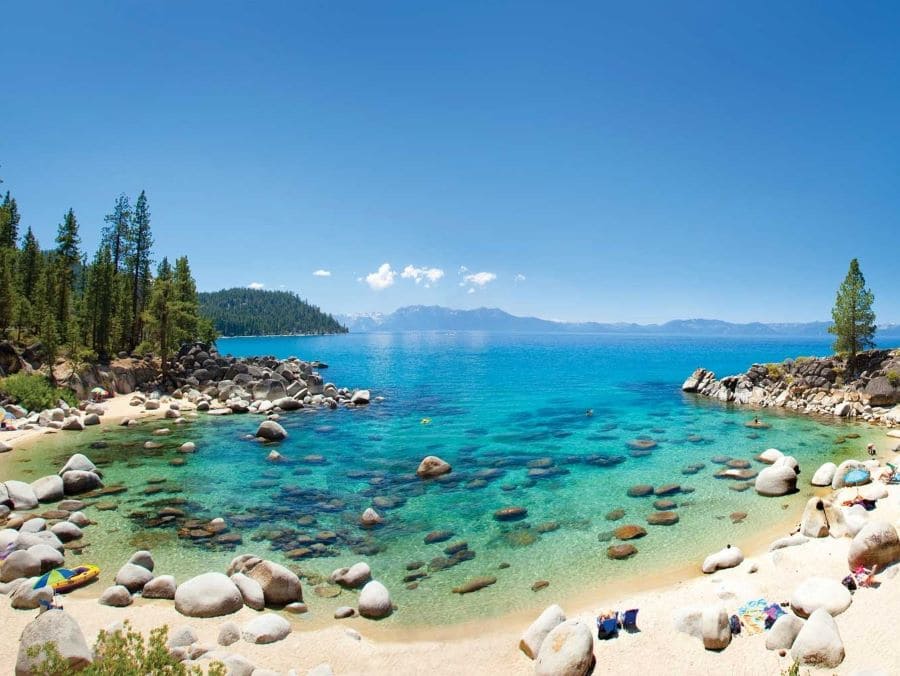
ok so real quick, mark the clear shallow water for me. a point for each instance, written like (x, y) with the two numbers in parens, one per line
(496, 403)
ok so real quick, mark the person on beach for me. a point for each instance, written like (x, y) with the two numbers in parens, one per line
(871, 450)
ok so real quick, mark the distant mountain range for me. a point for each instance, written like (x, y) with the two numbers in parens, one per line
(437, 318)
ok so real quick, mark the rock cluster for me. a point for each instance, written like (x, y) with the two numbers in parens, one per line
(814, 385)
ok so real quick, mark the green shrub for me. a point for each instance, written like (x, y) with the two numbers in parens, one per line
(35, 392)
(774, 371)
(893, 378)
(123, 652)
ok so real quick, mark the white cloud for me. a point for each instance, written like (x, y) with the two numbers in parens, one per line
(480, 278)
(382, 278)
(322, 273)
(471, 290)
(429, 275)
(463, 269)
(519, 278)
(255, 285)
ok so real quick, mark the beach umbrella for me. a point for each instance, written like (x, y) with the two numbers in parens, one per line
(54, 576)
(100, 391)
(856, 477)
(8, 415)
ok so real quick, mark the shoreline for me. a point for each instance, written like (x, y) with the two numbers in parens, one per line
(494, 638)
(491, 646)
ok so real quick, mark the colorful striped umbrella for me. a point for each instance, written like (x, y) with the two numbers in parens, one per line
(99, 390)
(54, 576)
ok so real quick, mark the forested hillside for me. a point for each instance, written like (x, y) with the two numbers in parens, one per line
(254, 312)
(92, 308)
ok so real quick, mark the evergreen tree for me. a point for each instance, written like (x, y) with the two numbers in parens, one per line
(185, 291)
(9, 222)
(30, 264)
(854, 319)
(140, 243)
(67, 257)
(116, 234)
(45, 314)
(99, 301)
(7, 290)
(164, 314)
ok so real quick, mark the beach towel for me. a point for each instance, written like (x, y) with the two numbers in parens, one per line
(753, 616)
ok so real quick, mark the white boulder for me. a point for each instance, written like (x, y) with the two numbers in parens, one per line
(715, 628)
(375, 601)
(820, 592)
(728, 557)
(819, 644)
(568, 650)
(208, 595)
(534, 636)
(266, 628)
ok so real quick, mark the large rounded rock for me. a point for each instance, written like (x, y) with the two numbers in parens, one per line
(824, 475)
(877, 544)
(353, 577)
(66, 531)
(534, 636)
(208, 595)
(776, 480)
(568, 650)
(782, 634)
(20, 564)
(819, 644)
(729, 557)
(26, 597)
(116, 596)
(48, 488)
(271, 431)
(20, 494)
(143, 558)
(842, 470)
(432, 466)
(78, 462)
(715, 628)
(815, 522)
(820, 592)
(266, 628)
(59, 628)
(770, 456)
(133, 577)
(78, 481)
(375, 601)
(280, 586)
(162, 587)
(47, 555)
(251, 591)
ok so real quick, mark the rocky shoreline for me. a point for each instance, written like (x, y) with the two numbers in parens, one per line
(198, 379)
(815, 386)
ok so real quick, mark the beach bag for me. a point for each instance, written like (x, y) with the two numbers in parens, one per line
(850, 583)
(735, 623)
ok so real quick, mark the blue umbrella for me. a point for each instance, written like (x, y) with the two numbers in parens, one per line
(856, 477)
(8, 415)
(53, 577)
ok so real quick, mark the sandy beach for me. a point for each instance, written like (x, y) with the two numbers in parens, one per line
(358, 646)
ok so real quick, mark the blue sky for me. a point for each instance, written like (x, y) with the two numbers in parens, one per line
(567, 160)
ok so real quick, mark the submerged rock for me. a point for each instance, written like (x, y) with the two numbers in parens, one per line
(630, 532)
(510, 513)
(432, 466)
(474, 585)
(618, 552)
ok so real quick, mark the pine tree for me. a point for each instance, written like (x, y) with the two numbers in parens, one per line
(9, 222)
(30, 265)
(7, 290)
(67, 257)
(164, 314)
(116, 233)
(854, 319)
(185, 290)
(45, 314)
(138, 265)
(99, 301)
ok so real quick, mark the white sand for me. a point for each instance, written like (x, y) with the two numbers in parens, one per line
(868, 627)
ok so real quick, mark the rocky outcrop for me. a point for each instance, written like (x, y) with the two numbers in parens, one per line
(820, 386)
(818, 643)
(59, 628)
(568, 650)
(208, 595)
(534, 636)
(877, 544)
(375, 601)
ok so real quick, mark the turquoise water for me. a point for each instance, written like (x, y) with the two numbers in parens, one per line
(509, 413)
